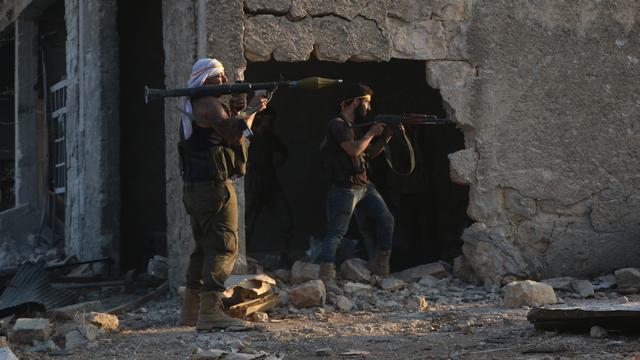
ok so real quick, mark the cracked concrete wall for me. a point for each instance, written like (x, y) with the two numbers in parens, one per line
(541, 90)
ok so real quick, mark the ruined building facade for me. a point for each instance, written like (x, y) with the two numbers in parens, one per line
(544, 93)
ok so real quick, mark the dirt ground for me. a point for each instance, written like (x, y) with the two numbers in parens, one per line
(481, 329)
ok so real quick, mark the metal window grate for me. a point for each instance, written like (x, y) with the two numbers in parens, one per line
(58, 108)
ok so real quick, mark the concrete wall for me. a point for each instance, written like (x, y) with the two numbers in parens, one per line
(93, 146)
(544, 91)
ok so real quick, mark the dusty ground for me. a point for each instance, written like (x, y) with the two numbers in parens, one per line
(456, 329)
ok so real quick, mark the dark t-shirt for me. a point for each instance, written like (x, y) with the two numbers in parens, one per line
(343, 169)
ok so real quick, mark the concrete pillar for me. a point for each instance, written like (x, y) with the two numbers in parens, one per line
(26, 73)
(93, 132)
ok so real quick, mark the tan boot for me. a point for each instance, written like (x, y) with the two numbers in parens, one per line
(211, 315)
(190, 307)
(328, 277)
(379, 265)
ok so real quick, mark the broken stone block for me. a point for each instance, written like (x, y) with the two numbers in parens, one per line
(388, 305)
(43, 346)
(628, 278)
(7, 354)
(391, 284)
(90, 332)
(69, 312)
(598, 332)
(356, 270)
(529, 293)
(103, 321)
(304, 271)
(604, 282)
(343, 303)
(416, 303)
(283, 274)
(583, 288)
(429, 281)
(25, 331)
(418, 272)
(74, 339)
(311, 293)
(358, 289)
(560, 283)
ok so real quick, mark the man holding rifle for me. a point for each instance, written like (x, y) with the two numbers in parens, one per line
(213, 151)
(346, 155)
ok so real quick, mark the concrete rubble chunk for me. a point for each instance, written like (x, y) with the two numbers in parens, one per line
(416, 303)
(343, 303)
(304, 271)
(529, 293)
(74, 339)
(25, 331)
(355, 270)
(583, 288)
(89, 331)
(391, 284)
(353, 288)
(418, 272)
(70, 311)
(211, 354)
(311, 293)
(428, 281)
(628, 278)
(103, 321)
(283, 274)
(598, 332)
(560, 283)
(604, 282)
(7, 354)
(158, 267)
(388, 305)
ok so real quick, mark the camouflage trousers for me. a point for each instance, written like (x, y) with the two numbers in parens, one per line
(213, 209)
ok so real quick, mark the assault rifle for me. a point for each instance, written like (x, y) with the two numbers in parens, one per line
(311, 83)
(405, 119)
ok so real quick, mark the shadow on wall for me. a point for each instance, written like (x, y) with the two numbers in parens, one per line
(430, 210)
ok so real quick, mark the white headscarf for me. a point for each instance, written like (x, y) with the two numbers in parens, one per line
(202, 69)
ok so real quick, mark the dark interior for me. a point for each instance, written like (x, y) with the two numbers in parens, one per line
(143, 218)
(7, 123)
(429, 209)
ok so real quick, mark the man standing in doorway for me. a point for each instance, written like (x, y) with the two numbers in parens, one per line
(346, 155)
(213, 151)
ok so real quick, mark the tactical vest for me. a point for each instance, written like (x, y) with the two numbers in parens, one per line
(338, 166)
(202, 160)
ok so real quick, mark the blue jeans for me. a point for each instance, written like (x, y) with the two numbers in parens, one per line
(374, 219)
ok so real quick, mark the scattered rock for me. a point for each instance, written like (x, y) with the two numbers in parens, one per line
(583, 288)
(356, 270)
(43, 346)
(391, 284)
(211, 354)
(418, 272)
(627, 290)
(283, 274)
(560, 283)
(259, 316)
(529, 293)
(7, 354)
(428, 281)
(628, 277)
(90, 332)
(25, 331)
(304, 271)
(323, 352)
(598, 332)
(74, 339)
(158, 267)
(388, 305)
(604, 282)
(358, 289)
(103, 321)
(343, 303)
(416, 303)
(311, 293)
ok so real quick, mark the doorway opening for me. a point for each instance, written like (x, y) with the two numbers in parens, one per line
(142, 172)
(429, 209)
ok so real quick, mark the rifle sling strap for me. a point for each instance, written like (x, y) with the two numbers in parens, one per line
(412, 156)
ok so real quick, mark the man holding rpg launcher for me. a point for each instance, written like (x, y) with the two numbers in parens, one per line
(213, 151)
(345, 158)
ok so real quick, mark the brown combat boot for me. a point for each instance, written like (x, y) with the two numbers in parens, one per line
(328, 277)
(211, 315)
(379, 265)
(190, 307)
